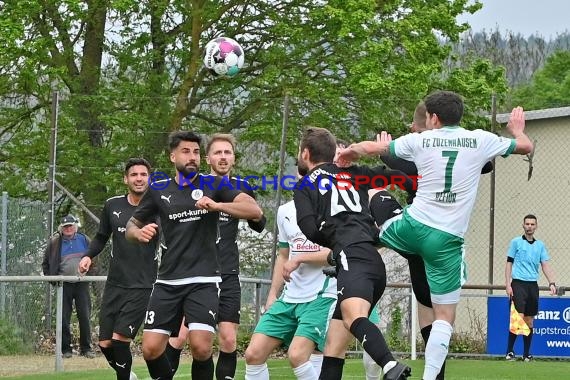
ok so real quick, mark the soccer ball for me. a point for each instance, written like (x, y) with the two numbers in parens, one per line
(223, 56)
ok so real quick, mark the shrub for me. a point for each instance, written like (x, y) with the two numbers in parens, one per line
(11, 339)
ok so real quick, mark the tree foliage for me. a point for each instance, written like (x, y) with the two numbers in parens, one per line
(549, 87)
(129, 72)
(521, 57)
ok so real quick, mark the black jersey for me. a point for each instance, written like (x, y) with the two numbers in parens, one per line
(332, 203)
(132, 265)
(228, 253)
(190, 234)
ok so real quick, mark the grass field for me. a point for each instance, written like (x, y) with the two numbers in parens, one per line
(279, 369)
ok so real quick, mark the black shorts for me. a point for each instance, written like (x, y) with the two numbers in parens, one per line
(383, 207)
(168, 304)
(361, 273)
(525, 296)
(230, 299)
(122, 311)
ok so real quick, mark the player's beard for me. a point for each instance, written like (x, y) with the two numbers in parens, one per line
(222, 170)
(302, 168)
(188, 171)
(136, 192)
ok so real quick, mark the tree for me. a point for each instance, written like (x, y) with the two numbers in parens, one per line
(549, 87)
(129, 72)
(521, 57)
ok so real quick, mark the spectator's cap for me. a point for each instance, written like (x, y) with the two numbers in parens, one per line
(68, 220)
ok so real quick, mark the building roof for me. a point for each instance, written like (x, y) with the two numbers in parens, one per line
(547, 113)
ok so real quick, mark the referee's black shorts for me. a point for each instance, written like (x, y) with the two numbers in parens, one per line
(525, 296)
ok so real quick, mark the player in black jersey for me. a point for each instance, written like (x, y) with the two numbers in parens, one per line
(332, 210)
(221, 158)
(132, 271)
(187, 284)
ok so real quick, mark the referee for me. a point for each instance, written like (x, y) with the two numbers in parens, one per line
(525, 255)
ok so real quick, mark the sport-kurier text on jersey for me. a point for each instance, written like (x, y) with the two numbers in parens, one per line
(189, 254)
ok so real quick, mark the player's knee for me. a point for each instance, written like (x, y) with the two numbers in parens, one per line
(254, 356)
(228, 341)
(151, 352)
(297, 357)
(105, 343)
(201, 351)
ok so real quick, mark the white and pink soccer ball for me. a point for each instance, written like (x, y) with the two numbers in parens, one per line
(223, 56)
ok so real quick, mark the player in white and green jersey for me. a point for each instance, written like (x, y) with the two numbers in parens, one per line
(299, 317)
(449, 161)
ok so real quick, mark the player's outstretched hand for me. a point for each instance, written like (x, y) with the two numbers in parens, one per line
(365, 148)
(346, 157)
(516, 122)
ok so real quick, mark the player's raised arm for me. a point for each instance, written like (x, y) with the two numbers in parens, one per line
(366, 148)
(515, 126)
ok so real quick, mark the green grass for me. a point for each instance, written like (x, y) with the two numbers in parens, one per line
(279, 369)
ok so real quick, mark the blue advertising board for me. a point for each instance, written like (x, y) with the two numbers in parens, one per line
(551, 332)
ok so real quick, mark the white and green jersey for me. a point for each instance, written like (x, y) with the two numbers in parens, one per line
(449, 162)
(307, 282)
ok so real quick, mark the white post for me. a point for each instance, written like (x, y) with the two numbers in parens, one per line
(58, 327)
(414, 326)
(3, 270)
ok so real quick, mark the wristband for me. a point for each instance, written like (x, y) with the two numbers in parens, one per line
(552, 283)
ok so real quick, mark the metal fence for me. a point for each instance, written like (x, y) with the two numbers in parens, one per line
(23, 326)
(518, 186)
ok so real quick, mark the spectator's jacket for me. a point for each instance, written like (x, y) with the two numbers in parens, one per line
(52, 256)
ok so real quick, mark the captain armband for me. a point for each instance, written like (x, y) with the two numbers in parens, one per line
(510, 259)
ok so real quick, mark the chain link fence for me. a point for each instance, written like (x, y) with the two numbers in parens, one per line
(520, 185)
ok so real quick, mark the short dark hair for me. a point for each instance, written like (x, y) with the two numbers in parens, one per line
(420, 115)
(320, 143)
(176, 137)
(529, 216)
(342, 143)
(221, 137)
(447, 105)
(133, 161)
